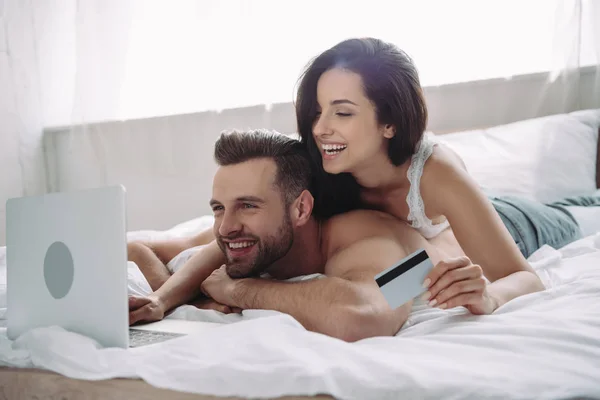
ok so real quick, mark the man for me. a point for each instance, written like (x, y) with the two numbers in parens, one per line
(264, 226)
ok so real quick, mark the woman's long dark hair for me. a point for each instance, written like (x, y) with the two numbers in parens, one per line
(391, 82)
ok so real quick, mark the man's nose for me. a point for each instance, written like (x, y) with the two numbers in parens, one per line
(229, 224)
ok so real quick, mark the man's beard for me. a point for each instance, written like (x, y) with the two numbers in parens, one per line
(270, 249)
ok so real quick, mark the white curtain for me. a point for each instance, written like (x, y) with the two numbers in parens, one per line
(88, 64)
(574, 79)
(145, 58)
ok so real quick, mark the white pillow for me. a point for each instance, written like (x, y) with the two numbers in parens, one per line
(543, 159)
(184, 229)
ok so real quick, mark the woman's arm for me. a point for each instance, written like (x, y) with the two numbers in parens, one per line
(449, 190)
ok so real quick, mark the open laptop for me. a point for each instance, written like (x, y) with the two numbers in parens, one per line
(67, 266)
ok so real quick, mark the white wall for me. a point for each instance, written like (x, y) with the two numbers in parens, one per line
(166, 162)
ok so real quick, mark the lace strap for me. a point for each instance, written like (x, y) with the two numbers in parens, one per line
(416, 208)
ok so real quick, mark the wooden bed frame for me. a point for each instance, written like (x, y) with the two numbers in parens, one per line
(33, 384)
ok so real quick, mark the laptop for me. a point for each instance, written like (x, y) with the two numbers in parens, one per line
(67, 266)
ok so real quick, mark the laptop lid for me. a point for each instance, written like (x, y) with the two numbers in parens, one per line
(67, 264)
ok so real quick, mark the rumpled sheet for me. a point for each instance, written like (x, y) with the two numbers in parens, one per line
(543, 345)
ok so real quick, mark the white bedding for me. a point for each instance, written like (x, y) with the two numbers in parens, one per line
(544, 346)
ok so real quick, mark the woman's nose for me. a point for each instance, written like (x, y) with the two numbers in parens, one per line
(321, 126)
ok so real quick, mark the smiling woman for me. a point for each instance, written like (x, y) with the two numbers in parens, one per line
(362, 116)
(356, 88)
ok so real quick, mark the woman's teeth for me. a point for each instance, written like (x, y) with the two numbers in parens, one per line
(240, 245)
(331, 149)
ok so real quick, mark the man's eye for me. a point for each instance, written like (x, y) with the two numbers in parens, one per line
(217, 208)
(248, 205)
(341, 114)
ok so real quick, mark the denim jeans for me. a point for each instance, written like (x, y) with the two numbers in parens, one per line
(533, 224)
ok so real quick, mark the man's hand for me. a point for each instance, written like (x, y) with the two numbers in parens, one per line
(458, 282)
(220, 287)
(204, 303)
(145, 309)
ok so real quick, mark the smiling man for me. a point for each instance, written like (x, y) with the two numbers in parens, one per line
(266, 234)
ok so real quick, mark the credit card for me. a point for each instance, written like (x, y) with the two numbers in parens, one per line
(403, 281)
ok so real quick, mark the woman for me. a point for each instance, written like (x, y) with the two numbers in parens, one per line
(362, 115)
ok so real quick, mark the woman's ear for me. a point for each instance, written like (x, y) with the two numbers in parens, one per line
(389, 131)
(302, 208)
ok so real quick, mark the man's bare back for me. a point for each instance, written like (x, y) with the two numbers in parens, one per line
(360, 244)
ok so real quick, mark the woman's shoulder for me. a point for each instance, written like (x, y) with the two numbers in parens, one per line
(441, 170)
(443, 161)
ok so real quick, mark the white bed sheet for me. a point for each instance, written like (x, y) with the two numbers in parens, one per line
(544, 346)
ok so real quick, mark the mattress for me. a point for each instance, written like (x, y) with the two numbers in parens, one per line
(543, 345)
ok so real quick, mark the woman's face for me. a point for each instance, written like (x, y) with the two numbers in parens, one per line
(346, 128)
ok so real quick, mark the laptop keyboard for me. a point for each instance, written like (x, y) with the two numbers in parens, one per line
(139, 338)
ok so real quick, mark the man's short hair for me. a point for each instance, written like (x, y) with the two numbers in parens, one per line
(290, 156)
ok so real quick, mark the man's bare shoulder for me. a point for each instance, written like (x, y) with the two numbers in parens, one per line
(343, 230)
(360, 244)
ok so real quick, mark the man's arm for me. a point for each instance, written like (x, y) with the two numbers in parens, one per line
(181, 287)
(348, 306)
(152, 257)
(166, 250)
(150, 265)
(184, 285)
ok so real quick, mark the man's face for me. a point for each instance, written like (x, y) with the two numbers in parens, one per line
(252, 225)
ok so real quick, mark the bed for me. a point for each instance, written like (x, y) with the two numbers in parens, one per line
(544, 345)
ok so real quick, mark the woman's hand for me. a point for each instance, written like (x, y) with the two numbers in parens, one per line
(458, 282)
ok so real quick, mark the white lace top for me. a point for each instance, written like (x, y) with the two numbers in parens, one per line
(416, 208)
